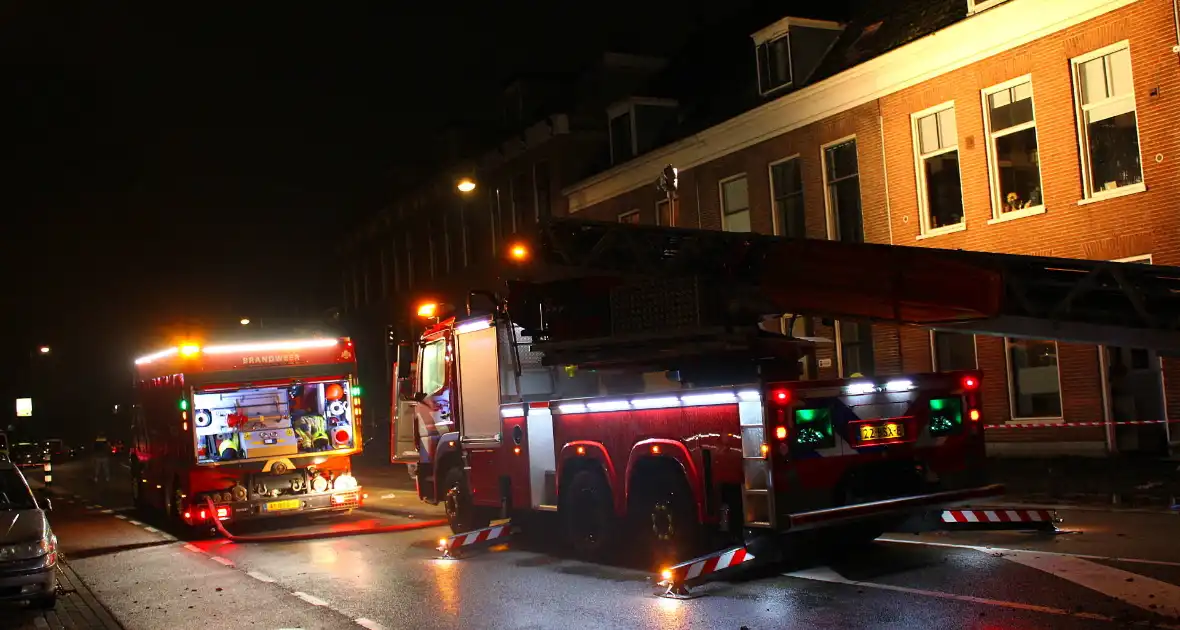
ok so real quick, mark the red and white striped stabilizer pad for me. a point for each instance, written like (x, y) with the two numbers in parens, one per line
(675, 577)
(1044, 518)
(467, 539)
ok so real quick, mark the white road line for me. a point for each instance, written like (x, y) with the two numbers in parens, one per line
(825, 574)
(388, 496)
(311, 599)
(149, 528)
(135, 522)
(93, 507)
(1087, 556)
(226, 561)
(121, 517)
(108, 511)
(261, 577)
(193, 548)
(369, 624)
(1147, 593)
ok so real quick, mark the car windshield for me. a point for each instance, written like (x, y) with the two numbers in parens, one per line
(14, 492)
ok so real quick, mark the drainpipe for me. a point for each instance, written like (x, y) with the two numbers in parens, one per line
(1176, 21)
(889, 220)
(1107, 411)
(696, 185)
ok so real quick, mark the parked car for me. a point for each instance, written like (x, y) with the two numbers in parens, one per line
(28, 547)
(28, 454)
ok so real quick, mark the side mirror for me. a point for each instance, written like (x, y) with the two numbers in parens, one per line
(45, 502)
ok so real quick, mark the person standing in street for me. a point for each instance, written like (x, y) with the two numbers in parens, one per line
(102, 458)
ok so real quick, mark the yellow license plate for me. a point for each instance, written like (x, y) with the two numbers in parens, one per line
(278, 506)
(875, 432)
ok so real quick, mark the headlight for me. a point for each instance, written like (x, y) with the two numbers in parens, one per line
(26, 551)
(344, 482)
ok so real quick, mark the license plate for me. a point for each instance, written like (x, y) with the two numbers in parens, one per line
(876, 432)
(278, 506)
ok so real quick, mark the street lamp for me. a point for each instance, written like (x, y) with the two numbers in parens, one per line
(466, 185)
(245, 321)
(44, 349)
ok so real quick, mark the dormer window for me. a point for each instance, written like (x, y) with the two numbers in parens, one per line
(774, 64)
(638, 125)
(975, 6)
(788, 52)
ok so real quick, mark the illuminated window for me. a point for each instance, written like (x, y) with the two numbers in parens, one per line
(786, 185)
(1109, 134)
(1013, 155)
(953, 351)
(940, 191)
(630, 217)
(434, 366)
(842, 192)
(735, 204)
(1033, 378)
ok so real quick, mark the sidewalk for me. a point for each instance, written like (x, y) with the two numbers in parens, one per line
(76, 608)
(1115, 482)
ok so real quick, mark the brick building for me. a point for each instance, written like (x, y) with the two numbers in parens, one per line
(1045, 127)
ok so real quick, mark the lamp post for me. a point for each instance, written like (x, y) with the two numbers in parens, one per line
(467, 186)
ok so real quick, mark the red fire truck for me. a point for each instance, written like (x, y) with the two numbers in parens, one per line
(654, 384)
(263, 427)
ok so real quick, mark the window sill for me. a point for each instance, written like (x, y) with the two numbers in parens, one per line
(1017, 214)
(1133, 189)
(1045, 421)
(950, 229)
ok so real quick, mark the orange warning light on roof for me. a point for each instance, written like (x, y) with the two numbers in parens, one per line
(427, 309)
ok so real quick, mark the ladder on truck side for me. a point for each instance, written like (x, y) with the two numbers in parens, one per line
(1071, 300)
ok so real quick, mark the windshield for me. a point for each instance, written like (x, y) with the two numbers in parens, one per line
(14, 492)
(249, 423)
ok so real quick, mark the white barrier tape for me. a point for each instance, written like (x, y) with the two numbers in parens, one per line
(1064, 425)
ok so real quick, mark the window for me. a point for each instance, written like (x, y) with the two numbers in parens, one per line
(856, 349)
(434, 366)
(735, 204)
(940, 193)
(665, 214)
(622, 145)
(1033, 378)
(975, 6)
(1013, 157)
(1105, 96)
(953, 351)
(842, 181)
(786, 186)
(630, 217)
(774, 64)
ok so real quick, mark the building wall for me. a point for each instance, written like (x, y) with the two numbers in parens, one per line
(1113, 228)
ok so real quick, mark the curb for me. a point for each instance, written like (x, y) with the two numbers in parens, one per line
(69, 581)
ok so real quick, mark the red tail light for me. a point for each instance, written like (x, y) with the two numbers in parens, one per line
(781, 396)
(970, 382)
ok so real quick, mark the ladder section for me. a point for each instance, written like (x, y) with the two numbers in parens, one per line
(757, 480)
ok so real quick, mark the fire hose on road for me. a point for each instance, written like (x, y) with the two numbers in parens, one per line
(383, 529)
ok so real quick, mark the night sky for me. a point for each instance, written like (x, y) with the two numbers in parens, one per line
(161, 164)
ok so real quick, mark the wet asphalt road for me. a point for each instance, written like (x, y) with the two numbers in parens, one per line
(1120, 569)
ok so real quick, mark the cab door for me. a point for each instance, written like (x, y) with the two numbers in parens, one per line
(480, 430)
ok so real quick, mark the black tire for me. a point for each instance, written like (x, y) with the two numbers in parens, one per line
(664, 518)
(588, 516)
(462, 515)
(44, 602)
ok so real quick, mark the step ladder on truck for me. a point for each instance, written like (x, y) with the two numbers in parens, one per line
(644, 384)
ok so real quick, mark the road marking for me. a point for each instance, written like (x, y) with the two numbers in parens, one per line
(388, 496)
(121, 517)
(1147, 593)
(108, 511)
(1085, 556)
(261, 577)
(311, 599)
(825, 574)
(93, 507)
(149, 528)
(135, 522)
(193, 548)
(226, 561)
(369, 624)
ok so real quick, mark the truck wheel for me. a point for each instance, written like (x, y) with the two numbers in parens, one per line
(462, 516)
(665, 520)
(588, 517)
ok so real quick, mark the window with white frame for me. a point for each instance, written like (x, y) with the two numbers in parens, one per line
(1013, 155)
(856, 349)
(786, 186)
(629, 217)
(774, 63)
(1034, 379)
(735, 204)
(975, 6)
(1105, 95)
(940, 190)
(952, 351)
(842, 181)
